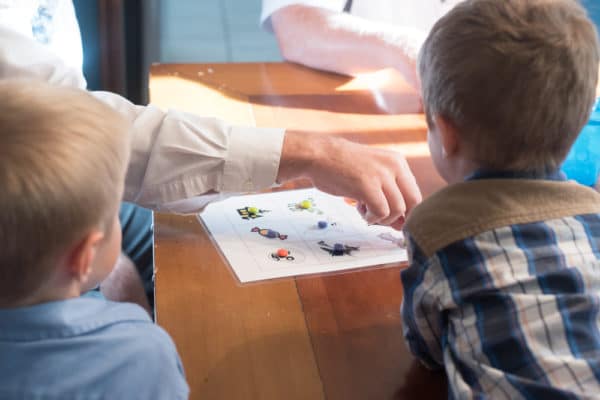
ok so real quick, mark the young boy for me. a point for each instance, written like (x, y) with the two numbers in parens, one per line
(503, 288)
(63, 157)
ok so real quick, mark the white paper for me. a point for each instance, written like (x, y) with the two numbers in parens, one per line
(250, 254)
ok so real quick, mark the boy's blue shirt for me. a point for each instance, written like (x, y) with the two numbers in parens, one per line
(87, 348)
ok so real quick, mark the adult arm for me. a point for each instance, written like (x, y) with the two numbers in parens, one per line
(176, 156)
(380, 180)
(335, 41)
(181, 161)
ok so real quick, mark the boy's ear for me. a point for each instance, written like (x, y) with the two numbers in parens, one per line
(82, 255)
(448, 135)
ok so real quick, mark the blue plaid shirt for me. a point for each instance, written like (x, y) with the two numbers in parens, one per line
(503, 288)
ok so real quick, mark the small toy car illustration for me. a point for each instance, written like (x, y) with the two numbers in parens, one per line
(282, 254)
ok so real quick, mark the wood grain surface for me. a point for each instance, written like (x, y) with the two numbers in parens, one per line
(328, 336)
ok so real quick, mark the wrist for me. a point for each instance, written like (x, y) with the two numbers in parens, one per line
(300, 154)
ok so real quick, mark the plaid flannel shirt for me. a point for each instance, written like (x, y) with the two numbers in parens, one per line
(503, 288)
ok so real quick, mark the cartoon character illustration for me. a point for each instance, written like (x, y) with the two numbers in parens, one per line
(305, 205)
(282, 254)
(326, 224)
(268, 233)
(398, 241)
(338, 249)
(248, 213)
(323, 228)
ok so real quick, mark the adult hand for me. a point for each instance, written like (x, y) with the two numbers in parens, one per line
(125, 285)
(380, 180)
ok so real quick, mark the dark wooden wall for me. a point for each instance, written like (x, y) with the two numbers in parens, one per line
(120, 41)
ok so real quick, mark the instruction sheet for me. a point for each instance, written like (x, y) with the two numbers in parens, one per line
(297, 232)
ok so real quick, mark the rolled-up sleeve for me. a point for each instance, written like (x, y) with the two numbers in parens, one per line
(177, 157)
(270, 6)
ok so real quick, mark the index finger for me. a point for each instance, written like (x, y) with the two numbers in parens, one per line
(408, 187)
(377, 207)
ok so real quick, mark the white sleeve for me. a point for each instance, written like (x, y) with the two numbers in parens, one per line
(176, 157)
(270, 6)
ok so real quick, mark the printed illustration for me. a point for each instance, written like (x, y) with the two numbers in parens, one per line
(282, 254)
(268, 233)
(296, 232)
(248, 213)
(308, 205)
(326, 224)
(338, 249)
(321, 229)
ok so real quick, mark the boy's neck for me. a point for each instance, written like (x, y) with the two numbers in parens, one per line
(463, 169)
(554, 175)
(54, 289)
(458, 169)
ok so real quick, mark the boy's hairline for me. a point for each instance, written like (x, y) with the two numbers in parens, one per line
(424, 72)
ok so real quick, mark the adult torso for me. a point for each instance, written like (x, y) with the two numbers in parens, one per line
(50, 22)
(420, 14)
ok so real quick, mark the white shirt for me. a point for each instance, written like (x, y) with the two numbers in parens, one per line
(175, 156)
(416, 14)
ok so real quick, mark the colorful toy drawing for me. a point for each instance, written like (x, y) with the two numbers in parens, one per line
(248, 213)
(338, 249)
(308, 205)
(268, 233)
(297, 232)
(282, 254)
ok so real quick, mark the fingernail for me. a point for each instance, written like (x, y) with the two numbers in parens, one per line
(371, 218)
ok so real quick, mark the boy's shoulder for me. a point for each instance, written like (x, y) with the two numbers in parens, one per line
(469, 208)
(143, 355)
(111, 350)
(129, 332)
(124, 322)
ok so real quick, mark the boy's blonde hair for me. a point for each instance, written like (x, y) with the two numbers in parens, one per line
(517, 78)
(63, 156)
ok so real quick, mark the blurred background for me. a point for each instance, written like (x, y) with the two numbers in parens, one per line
(214, 30)
(121, 38)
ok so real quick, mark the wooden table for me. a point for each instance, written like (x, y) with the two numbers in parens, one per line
(330, 336)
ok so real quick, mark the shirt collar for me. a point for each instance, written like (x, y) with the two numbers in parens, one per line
(554, 175)
(65, 318)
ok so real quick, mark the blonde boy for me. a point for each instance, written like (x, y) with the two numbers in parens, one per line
(63, 157)
(503, 288)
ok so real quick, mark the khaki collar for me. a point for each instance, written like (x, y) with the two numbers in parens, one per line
(469, 208)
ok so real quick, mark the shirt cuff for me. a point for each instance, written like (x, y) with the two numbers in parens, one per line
(252, 161)
(270, 6)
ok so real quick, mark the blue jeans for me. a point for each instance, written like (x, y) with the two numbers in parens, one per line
(136, 225)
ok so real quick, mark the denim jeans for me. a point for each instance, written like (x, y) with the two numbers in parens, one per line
(136, 224)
